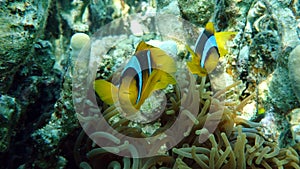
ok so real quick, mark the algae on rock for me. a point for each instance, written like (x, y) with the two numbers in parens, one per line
(199, 12)
(21, 24)
(10, 112)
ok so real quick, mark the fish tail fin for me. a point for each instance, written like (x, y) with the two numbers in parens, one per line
(222, 38)
(106, 91)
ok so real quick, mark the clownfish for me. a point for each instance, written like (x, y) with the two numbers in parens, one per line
(209, 47)
(148, 70)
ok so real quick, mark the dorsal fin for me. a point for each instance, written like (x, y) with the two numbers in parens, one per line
(143, 46)
(210, 27)
(163, 61)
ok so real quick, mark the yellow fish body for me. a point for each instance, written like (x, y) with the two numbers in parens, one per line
(210, 45)
(148, 70)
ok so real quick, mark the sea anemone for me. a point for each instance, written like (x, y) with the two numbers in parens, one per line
(235, 143)
(209, 133)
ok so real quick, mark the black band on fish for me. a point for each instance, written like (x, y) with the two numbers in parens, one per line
(133, 69)
(201, 41)
(139, 64)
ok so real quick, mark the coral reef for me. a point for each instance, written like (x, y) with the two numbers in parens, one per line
(260, 55)
(192, 11)
(235, 142)
(10, 114)
(293, 118)
(168, 7)
(42, 107)
(48, 138)
(294, 71)
(19, 33)
(75, 14)
(29, 84)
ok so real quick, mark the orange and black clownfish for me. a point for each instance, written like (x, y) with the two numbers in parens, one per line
(210, 46)
(148, 70)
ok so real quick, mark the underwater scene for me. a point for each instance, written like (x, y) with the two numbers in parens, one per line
(150, 84)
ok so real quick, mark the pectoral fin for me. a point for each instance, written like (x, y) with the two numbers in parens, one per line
(164, 80)
(196, 69)
(194, 56)
(106, 91)
(157, 80)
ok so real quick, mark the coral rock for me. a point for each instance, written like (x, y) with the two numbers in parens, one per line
(192, 11)
(10, 112)
(294, 71)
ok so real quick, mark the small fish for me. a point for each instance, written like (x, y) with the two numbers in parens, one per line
(148, 70)
(210, 46)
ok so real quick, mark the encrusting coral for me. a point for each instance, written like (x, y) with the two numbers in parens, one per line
(294, 71)
(78, 41)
